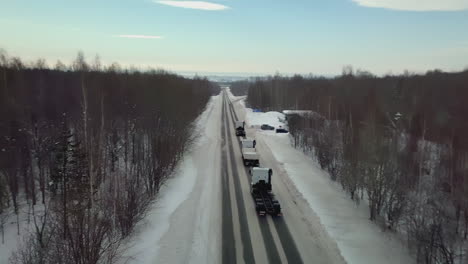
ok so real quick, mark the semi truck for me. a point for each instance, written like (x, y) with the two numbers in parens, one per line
(249, 153)
(260, 187)
(240, 130)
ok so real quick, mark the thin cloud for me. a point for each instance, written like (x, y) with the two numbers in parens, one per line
(140, 36)
(201, 5)
(416, 5)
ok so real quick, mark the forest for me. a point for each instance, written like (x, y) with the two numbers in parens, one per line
(84, 150)
(239, 88)
(396, 143)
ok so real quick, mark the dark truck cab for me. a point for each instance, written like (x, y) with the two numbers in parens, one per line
(265, 202)
(240, 131)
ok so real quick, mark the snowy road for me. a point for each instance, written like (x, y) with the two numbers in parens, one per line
(249, 238)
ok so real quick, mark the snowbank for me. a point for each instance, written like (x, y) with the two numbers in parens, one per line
(146, 247)
(256, 119)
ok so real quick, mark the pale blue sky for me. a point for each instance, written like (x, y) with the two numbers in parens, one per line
(247, 36)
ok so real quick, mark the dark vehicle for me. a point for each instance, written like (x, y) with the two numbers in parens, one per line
(281, 130)
(265, 202)
(267, 127)
(240, 131)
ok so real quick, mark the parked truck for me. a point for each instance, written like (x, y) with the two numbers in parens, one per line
(260, 187)
(240, 130)
(249, 153)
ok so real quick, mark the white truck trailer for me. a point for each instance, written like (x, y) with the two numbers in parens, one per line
(249, 153)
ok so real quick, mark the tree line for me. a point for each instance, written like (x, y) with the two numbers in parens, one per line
(85, 148)
(396, 142)
(239, 88)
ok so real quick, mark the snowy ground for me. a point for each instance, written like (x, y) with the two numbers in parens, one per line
(256, 119)
(25, 222)
(358, 239)
(183, 224)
